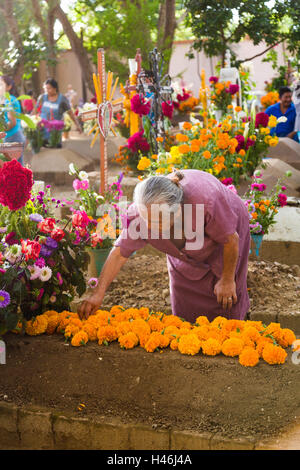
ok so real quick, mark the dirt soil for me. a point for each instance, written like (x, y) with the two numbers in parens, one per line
(168, 389)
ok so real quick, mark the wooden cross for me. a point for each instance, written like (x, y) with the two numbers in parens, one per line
(103, 113)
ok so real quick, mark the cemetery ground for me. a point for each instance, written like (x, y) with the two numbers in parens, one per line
(165, 392)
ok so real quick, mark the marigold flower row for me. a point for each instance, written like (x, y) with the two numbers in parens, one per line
(248, 340)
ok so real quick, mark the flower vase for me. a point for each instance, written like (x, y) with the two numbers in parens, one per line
(218, 115)
(98, 256)
(257, 239)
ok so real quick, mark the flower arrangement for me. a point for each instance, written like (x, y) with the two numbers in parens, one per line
(228, 149)
(55, 128)
(103, 211)
(120, 126)
(34, 135)
(249, 341)
(42, 259)
(222, 93)
(129, 154)
(185, 101)
(263, 207)
(272, 97)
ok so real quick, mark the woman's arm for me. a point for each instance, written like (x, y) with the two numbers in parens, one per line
(12, 120)
(111, 268)
(225, 288)
(75, 120)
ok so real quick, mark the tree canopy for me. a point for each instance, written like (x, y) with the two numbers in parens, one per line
(217, 24)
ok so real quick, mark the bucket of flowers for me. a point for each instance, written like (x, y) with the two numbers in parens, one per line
(55, 128)
(103, 211)
(263, 207)
(222, 94)
(34, 135)
(42, 259)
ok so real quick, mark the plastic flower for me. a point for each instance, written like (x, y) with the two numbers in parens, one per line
(4, 298)
(274, 354)
(80, 339)
(232, 347)
(189, 344)
(45, 274)
(249, 357)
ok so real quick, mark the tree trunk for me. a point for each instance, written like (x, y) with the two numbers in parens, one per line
(169, 31)
(7, 10)
(47, 31)
(77, 47)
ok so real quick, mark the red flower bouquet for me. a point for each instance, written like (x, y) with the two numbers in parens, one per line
(15, 185)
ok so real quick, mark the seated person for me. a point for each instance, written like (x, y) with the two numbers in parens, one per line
(286, 108)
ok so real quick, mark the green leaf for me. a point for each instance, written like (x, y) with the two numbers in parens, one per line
(27, 119)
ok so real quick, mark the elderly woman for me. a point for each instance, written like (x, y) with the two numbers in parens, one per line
(207, 258)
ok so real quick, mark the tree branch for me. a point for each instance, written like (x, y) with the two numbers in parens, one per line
(263, 52)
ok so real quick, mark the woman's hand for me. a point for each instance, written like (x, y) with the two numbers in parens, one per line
(89, 306)
(225, 291)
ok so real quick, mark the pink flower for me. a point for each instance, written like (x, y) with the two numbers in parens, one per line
(213, 79)
(47, 225)
(85, 184)
(261, 119)
(232, 188)
(77, 184)
(59, 278)
(140, 105)
(137, 142)
(80, 219)
(167, 109)
(233, 88)
(227, 181)
(95, 239)
(283, 188)
(282, 199)
(31, 249)
(57, 234)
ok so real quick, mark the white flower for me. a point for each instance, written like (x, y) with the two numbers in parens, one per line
(45, 274)
(72, 170)
(35, 272)
(246, 130)
(83, 175)
(281, 119)
(14, 253)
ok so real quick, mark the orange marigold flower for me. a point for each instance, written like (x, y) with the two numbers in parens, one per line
(128, 341)
(159, 139)
(184, 148)
(80, 339)
(251, 333)
(106, 334)
(155, 323)
(286, 337)
(274, 354)
(53, 322)
(242, 152)
(50, 313)
(187, 126)
(249, 357)
(143, 339)
(123, 328)
(153, 342)
(71, 330)
(206, 154)
(211, 347)
(140, 327)
(262, 342)
(202, 320)
(174, 344)
(116, 309)
(182, 137)
(90, 330)
(219, 321)
(189, 344)
(232, 347)
(37, 326)
(172, 320)
(164, 340)
(144, 312)
(202, 332)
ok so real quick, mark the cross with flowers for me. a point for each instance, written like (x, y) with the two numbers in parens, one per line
(103, 113)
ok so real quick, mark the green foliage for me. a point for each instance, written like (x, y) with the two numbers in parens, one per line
(218, 24)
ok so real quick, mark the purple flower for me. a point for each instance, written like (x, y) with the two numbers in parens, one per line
(213, 79)
(249, 143)
(241, 142)
(40, 263)
(4, 298)
(233, 88)
(36, 217)
(45, 252)
(50, 243)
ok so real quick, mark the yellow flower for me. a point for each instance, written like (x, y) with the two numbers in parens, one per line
(144, 163)
(272, 121)
(273, 141)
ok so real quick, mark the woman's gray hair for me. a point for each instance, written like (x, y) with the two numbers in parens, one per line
(159, 190)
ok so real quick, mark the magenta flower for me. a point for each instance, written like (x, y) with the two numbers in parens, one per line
(213, 79)
(233, 88)
(167, 109)
(140, 105)
(137, 142)
(282, 199)
(227, 181)
(261, 119)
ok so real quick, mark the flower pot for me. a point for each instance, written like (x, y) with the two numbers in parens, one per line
(257, 241)
(98, 257)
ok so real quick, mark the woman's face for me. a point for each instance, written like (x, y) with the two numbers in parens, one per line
(160, 219)
(50, 90)
(5, 86)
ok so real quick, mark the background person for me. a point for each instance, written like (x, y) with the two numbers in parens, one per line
(286, 108)
(14, 131)
(53, 105)
(209, 281)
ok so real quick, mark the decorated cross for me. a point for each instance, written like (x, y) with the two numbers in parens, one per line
(153, 85)
(103, 113)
